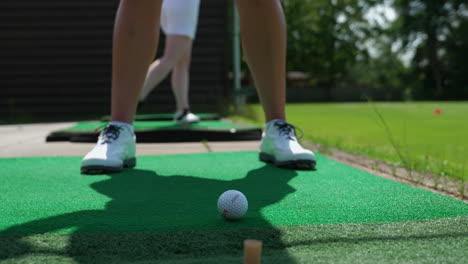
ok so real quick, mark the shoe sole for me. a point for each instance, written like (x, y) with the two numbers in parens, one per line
(98, 169)
(289, 164)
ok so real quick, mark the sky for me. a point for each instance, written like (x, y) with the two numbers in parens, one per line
(383, 15)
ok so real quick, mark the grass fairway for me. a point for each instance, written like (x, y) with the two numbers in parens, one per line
(429, 241)
(164, 211)
(427, 142)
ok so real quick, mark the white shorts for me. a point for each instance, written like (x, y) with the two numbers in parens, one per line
(180, 17)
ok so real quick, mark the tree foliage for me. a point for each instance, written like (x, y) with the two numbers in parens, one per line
(331, 39)
(437, 31)
(326, 37)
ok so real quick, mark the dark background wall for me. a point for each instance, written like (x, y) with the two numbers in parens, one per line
(55, 60)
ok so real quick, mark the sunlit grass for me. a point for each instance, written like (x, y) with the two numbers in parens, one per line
(436, 143)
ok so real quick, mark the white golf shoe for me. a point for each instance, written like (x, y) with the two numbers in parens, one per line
(114, 151)
(186, 117)
(280, 147)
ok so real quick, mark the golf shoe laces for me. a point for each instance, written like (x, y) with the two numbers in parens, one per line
(110, 134)
(285, 129)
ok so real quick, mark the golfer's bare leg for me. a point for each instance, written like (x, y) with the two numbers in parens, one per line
(180, 81)
(263, 30)
(134, 45)
(176, 47)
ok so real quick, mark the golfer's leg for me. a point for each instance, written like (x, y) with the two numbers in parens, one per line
(180, 81)
(176, 46)
(134, 45)
(263, 30)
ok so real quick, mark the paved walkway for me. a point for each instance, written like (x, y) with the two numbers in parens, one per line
(29, 141)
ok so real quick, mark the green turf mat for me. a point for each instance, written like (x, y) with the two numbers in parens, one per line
(179, 193)
(164, 211)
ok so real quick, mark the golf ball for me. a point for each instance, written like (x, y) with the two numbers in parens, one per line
(232, 204)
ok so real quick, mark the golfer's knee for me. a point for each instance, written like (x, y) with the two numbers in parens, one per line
(183, 62)
(169, 61)
(176, 58)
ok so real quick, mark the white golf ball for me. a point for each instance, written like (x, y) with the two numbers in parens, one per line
(232, 204)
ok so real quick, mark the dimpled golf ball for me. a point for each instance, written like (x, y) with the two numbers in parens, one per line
(232, 205)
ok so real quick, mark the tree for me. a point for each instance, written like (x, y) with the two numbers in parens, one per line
(327, 37)
(437, 31)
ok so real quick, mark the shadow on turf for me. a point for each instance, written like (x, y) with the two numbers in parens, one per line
(151, 217)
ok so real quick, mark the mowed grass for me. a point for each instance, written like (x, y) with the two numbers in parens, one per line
(425, 141)
(429, 241)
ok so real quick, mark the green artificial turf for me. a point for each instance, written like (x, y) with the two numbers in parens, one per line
(426, 141)
(179, 192)
(165, 210)
(158, 125)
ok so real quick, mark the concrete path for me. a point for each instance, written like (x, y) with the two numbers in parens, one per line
(29, 141)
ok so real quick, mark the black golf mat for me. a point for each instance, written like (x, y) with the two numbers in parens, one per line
(167, 117)
(164, 131)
